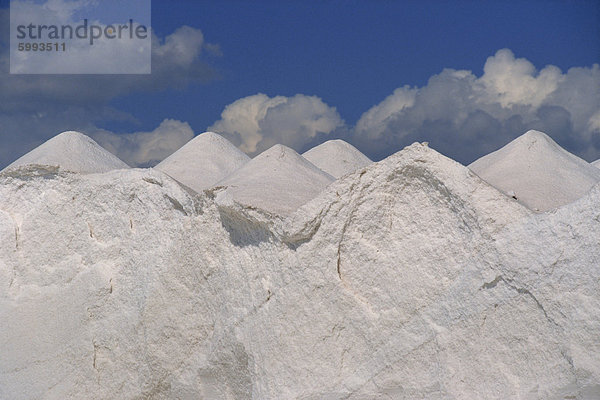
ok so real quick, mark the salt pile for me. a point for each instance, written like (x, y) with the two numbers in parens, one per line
(596, 163)
(537, 172)
(337, 158)
(71, 151)
(278, 180)
(203, 161)
(412, 278)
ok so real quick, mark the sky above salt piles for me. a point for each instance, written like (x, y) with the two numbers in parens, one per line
(467, 76)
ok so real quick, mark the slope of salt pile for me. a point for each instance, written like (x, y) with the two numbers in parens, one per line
(337, 157)
(71, 151)
(278, 180)
(537, 171)
(596, 163)
(203, 161)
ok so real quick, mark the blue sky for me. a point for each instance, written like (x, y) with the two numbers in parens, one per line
(354, 53)
(346, 57)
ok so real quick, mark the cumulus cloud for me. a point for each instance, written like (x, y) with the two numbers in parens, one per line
(144, 149)
(176, 62)
(511, 81)
(104, 56)
(465, 116)
(257, 122)
(374, 121)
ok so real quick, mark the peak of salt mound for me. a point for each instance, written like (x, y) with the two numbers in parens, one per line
(71, 151)
(537, 171)
(203, 161)
(278, 180)
(337, 157)
(418, 177)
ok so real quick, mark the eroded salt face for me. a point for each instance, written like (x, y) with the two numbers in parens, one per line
(537, 171)
(412, 278)
(71, 151)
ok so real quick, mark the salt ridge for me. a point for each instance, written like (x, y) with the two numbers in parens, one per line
(411, 278)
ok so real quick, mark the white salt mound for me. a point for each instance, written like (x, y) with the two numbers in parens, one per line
(203, 161)
(337, 158)
(537, 171)
(278, 180)
(71, 151)
(414, 279)
(596, 163)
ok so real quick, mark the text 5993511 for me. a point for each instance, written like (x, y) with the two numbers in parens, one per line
(43, 46)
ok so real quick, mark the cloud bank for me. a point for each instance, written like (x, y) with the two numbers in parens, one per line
(99, 51)
(465, 116)
(146, 149)
(257, 122)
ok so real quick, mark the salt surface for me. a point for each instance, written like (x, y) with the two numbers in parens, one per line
(278, 180)
(412, 278)
(537, 171)
(71, 151)
(596, 163)
(337, 157)
(203, 161)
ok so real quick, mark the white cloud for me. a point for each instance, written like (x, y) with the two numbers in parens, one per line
(144, 149)
(182, 47)
(514, 81)
(257, 122)
(373, 122)
(62, 9)
(243, 118)
(593, 126)
(176, 62)
(128, 55)
(466, 116)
